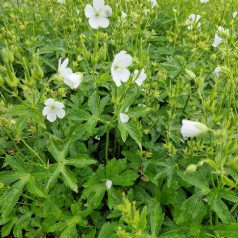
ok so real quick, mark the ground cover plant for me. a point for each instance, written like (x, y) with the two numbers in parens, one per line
(118, 118)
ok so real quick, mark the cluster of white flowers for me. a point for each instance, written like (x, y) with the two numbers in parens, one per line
(193, 21)
(54, 109)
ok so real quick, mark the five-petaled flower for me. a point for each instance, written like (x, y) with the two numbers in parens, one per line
(191, 129)
(124, 118)
(193, 21)
(53, 109)
(139, 77)
(73, 80)
(119, 70)
(98, 14)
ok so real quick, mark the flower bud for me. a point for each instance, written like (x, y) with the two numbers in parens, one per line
(8, 56)
(191, 168)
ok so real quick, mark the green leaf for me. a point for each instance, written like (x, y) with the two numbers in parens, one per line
(108, 230)
(91, 234)
(16, 163)
(95, 188)
(33, 188)
(21, 124)
(6, 229)
(103, 103)
(114, 197)
(196, 179)
(156, 220)
(192, 210)
(134, 132)
(143, 219)
(93, 103)
(120, 173)
(123, 131)
(80, 115)
(227, 230)
(70, 231)
(80, 161)
(68, 178)
(56, 152)
(54, 176)
(138, 112)
(10, 198)
(218, 206)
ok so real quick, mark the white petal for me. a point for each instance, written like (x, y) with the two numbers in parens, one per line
(51, 116)
(59, 105)
(125, 75)
(108, 183)
(46, 110)
(89, 11)
(94, 23)
(141, 78)
(73, 80)
(98, 4)
(122, 59)
(103, 22)
(234, 14)
(64, 64)
(60, 113)
(119, 76)
(124, 118)
(107, 11)
(49, 101)
(218, 40)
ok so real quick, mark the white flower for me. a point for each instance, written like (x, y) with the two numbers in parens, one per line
(217, 71)
(154, 3)
(234, 14)
(192, 21)
(53, 109)
(217, 41)
(63, 70)
(73, 80)
(139, 78)
(108, 183)
(124, 118)
(98, 14)
(61, 1)
(192, 129)
(223, 32)
(119, 70)
(204, 1)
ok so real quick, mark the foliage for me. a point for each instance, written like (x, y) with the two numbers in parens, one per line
(54, 176)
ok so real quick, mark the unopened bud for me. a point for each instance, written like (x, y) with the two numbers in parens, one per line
(191, 168)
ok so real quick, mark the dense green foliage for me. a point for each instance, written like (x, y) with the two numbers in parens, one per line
(91, 174)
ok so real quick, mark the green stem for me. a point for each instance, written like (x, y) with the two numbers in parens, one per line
(33, 151)
(107, 144)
